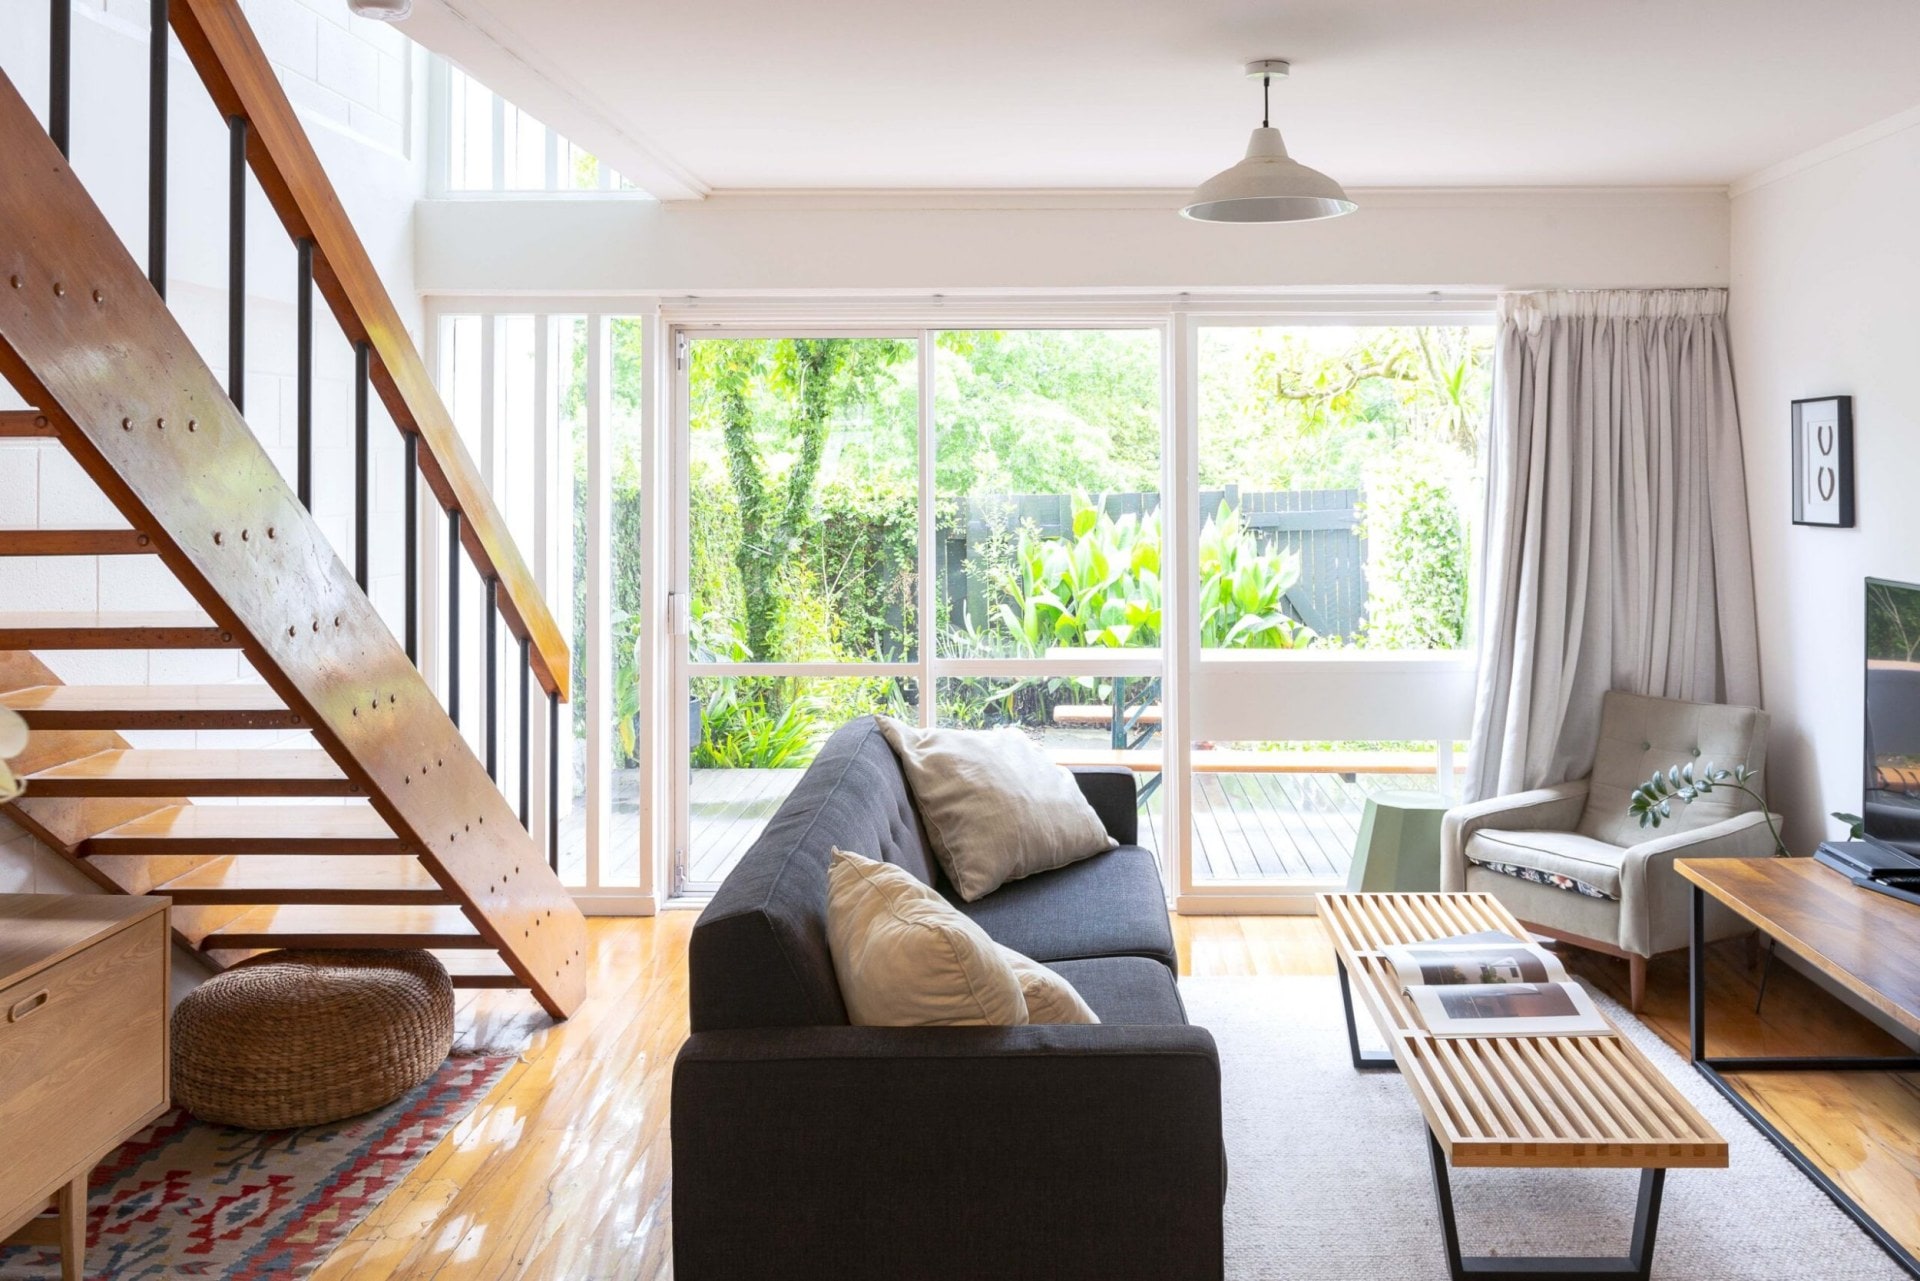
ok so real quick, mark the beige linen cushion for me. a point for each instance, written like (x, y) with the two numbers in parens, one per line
(996, 808)
(906, 957)
(1050, 998)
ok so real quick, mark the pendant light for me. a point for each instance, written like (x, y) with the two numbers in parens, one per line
(1269, 185)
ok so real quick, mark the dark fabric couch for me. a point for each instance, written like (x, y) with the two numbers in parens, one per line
(804, 1147)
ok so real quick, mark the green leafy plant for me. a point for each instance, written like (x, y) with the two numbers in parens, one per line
(1856, 826)
(738, 730)
(1652, 801)
(1242, 590)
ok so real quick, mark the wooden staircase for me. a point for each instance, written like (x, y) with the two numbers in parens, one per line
(379, 826)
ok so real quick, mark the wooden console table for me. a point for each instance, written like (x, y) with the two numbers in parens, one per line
(83, 1051)
(1534, 1101)
(1867, 943)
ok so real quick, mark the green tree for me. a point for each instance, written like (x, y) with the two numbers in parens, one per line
(775, 403)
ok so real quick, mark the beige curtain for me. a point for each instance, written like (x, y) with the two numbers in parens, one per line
(1614, 553)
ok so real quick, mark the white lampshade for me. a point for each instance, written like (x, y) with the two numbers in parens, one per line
(382, 10)
(1268, 186)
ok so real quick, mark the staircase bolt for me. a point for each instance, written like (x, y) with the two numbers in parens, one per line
(59, 290)
(218, 538)
(126, 424)
(244, 535)
(15, 282)
(161, 423)
(193, 424)
(98, 296)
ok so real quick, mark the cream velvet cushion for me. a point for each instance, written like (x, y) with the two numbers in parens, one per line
(906, 957)
(1050, 998)
(996, 808)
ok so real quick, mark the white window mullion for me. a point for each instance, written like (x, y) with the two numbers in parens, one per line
(1180, 633)
(648, 742)
(929, 585)
(599, 594)
(544, 504)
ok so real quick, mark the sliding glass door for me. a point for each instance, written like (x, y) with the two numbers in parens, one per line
(1337, 473)
(953, 527)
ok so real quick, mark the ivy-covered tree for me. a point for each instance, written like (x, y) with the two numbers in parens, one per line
(775, 403)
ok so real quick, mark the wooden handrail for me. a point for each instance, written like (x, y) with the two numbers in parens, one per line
(223, 49)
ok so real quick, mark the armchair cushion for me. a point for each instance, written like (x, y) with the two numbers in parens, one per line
(1639, 735)
(1565, 860)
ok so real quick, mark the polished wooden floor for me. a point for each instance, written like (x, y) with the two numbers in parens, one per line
(563, 1171)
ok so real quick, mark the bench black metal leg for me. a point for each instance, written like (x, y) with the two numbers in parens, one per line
(1363, 1060)
(1636, 1266)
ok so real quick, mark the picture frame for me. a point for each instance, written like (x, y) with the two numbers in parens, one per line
(1823, 462)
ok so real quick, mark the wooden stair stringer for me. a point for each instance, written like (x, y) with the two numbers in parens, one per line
(150, 423)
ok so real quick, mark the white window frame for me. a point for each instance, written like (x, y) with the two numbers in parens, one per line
(1371, 693)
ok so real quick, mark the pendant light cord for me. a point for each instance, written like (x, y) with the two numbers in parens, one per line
(1266, 102)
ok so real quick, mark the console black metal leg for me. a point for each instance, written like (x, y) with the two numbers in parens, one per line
(1637, 1265)
(1363, 1060)
(1697, 973)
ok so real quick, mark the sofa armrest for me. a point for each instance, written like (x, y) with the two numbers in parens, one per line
(1018, 1152)
(1653, 897)
(1544, 809)
(1114, 794)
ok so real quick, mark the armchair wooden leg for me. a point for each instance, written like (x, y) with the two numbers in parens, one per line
(1636, 982)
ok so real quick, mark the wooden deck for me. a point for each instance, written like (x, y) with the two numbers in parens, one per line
(1251, 827)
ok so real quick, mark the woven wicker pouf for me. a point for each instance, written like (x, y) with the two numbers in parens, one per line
(307, 1037)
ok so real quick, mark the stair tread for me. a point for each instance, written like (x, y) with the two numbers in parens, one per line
(111, 629)
(301, 878)
(239, 706)
(74, 542)
(329, 925)
(190, 771)
(182, 827)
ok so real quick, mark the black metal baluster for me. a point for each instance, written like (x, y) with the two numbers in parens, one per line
(157, 148)
(303, 374)
(553, 781)
(412, 568)
(526, 728)
(237, 262)
(413, 550)
(60, 75)
(453, 617)
(362, 362)
(492, 585)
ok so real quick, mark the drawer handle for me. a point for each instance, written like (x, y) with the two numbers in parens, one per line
(21, 1009)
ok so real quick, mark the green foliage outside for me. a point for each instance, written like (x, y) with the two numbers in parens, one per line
(804, 506)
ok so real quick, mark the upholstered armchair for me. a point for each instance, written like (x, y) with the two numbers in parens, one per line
(1573, 864)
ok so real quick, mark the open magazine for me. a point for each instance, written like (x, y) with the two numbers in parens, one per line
(1493, 984)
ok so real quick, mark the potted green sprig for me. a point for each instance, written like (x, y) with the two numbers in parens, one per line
(1653, 800)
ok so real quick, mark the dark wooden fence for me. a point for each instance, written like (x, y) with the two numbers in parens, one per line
(1318, 525)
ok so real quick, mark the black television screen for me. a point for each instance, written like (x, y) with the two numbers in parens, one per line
(1891, 800)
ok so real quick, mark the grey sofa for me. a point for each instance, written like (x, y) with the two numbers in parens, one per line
(805, 1147)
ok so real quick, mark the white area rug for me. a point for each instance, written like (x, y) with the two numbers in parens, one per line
(1329, 1180)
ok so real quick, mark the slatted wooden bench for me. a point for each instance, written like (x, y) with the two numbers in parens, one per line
(1542, 1102)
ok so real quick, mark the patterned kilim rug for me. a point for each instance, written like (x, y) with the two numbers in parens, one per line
(187, 1199)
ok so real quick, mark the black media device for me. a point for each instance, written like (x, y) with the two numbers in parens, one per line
(1888, 859)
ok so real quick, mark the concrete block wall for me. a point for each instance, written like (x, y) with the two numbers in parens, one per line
(356, 85)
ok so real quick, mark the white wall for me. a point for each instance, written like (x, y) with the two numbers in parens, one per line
(1825, 300)
(353, 82)
(952, 242)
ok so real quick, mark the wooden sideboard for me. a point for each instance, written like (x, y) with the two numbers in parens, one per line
(83, 1051)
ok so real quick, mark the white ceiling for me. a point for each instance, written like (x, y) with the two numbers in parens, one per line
(696, 96)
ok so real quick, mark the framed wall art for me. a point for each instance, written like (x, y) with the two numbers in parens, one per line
(1823, 462)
